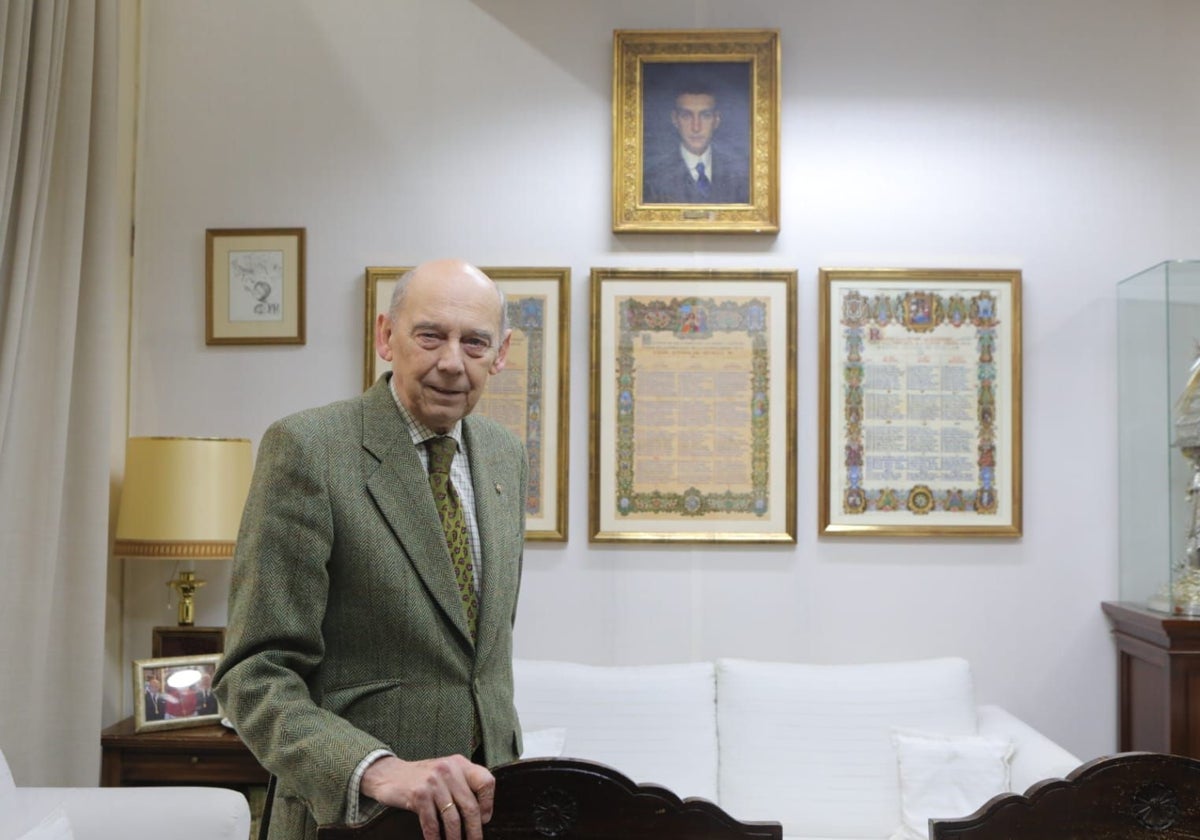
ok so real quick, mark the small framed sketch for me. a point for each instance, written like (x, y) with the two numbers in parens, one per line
(920, 402)
(254, 288)
(693, 406)
(530, 395)
(174, 692)
(696, 131)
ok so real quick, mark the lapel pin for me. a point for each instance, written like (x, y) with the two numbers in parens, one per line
(499, 488)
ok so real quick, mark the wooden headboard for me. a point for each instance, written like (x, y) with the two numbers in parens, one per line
(1129, 796)
(570, 798)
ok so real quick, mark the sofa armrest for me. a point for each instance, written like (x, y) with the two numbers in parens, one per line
(1035, 757)
(181, 813)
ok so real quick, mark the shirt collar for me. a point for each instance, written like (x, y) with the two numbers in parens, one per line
(417, 430)
(691, 160)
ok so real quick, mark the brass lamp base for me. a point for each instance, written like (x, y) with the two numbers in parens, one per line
(186, 585)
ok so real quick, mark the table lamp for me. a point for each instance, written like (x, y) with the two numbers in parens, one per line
(182, 500)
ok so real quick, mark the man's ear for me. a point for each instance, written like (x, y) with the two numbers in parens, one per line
(501, 355)
(383, 335)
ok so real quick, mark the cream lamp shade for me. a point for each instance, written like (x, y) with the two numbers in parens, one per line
(183, 500)
(183, 497)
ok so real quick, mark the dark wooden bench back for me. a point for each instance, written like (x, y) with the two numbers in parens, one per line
(1129, 796)
(573, 799)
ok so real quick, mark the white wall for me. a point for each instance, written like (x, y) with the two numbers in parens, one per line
(1043, 135)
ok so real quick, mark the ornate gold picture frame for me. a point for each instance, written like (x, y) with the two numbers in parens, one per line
(696, 131)
(693, 406)
(920, 401)
(530, 395)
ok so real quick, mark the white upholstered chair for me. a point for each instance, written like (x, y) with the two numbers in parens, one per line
(96, 813)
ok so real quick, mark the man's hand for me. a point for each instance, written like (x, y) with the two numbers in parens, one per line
(450, 790)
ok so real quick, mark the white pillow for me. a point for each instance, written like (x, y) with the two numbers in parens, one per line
(544, 743)
(55, 826)
(945, 776)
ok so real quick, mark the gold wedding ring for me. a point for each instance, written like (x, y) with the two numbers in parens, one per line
(446, 807)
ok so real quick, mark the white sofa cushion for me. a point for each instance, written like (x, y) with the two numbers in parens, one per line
(654, 723)
(947, 776)
(811, 745)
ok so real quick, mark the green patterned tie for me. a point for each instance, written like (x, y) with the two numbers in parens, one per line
(449, 508)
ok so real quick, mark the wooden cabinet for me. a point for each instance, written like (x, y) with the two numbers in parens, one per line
(199, 755)
(1158, 679)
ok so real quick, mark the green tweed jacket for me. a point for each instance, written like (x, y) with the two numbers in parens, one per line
(346, 631)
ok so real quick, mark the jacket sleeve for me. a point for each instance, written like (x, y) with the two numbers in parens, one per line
(277, 605)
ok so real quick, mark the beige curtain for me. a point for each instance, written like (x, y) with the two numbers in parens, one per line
(59, 231)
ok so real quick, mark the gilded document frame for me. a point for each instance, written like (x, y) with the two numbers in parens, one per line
(693, 406)
(174, 692)
(740, 70)
(530, 395)
(920, 401)
(254, 286)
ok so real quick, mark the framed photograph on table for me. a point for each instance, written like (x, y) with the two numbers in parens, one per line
(174, 692)
(696, 131)
(254, 288)
(693, 406)
(920, 402)
(530, 395)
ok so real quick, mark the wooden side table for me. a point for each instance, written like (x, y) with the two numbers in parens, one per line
(199, 755)
(1158, 679)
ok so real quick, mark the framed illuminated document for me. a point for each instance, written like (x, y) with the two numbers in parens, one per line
(693, 406)
(530, 395)
(920, 402)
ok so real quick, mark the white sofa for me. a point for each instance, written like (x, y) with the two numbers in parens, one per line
(830, 751)
(178, 813)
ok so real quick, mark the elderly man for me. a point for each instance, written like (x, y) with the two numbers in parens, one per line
(375, 584)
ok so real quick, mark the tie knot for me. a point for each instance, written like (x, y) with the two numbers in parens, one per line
(700, 169)
(441, 453)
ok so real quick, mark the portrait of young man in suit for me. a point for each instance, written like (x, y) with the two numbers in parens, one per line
(694, 162)
(369, 651)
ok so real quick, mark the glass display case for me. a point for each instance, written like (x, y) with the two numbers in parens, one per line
(1158, 384)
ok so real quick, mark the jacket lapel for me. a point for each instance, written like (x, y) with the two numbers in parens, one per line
(494, 485)
(400, 488)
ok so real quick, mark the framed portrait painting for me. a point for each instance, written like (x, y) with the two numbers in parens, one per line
(254, 286)
(529, 397)
(693, 406)
(920, 402)
(174, 692)
(696, 131)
